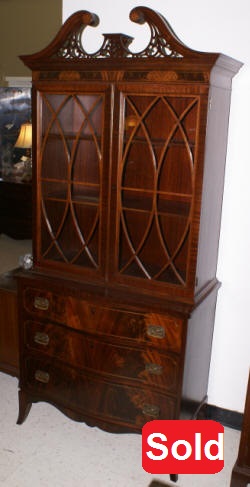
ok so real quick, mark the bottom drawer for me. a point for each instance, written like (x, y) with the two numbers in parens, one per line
(94, 397)
(148, 366)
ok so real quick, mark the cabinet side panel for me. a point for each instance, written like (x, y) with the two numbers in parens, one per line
(198, 350)
(9, 357)
(213, 183)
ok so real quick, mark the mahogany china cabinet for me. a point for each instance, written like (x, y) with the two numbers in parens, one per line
(116, 314)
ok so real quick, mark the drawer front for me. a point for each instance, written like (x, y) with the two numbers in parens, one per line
(146, 364)
(163, 331)
(90, 395)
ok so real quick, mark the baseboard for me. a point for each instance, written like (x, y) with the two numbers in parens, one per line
(156, 483)
(232, 419)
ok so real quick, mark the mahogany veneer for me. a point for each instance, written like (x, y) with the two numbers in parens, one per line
(116, 316)
(9, 346)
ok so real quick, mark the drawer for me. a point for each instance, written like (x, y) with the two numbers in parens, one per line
(143, 364)
(160, 330)
(94, 397)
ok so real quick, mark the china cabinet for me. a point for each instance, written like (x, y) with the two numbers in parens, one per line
(116, 315)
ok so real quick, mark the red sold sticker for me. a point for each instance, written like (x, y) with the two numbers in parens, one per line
(183, 446)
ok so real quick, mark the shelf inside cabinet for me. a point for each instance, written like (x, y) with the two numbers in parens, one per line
(155, 142)
(69, 191)
(158, 202)
(73, 136)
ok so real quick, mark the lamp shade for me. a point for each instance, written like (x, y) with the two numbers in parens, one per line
(24, 140)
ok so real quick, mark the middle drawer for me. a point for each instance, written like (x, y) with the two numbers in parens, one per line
(162, 331)
(144, 364)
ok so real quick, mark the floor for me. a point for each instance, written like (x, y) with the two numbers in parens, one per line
(50, 450)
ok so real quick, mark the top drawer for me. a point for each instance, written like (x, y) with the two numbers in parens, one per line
(160, 330)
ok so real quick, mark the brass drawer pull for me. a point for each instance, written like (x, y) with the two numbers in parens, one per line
(154, 369)
(155, 331)
(41, 338)
(41, 303)
(151, 410)
(42, 376)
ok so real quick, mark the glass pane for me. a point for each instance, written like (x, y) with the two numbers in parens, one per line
(71, 172)
(54, 213)
(157, 179)
(154, 247)
(81, 193)
(54, 190)
(86, 162)
(179, 207)
(138, 169)
(54, 157)
(176, 171)
(137, 200)
(70, 233)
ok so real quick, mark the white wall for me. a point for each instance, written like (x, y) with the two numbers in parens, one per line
(221, 26)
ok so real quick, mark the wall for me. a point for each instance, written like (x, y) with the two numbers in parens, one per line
(211, 26)
(25, 26)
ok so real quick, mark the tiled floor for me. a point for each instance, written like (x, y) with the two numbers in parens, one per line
(50, 450)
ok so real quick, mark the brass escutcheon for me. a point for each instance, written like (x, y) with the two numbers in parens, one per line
(41, 303)
(41, 338)
(151, 410)
(154, 369)
(155, 331)
(42, 376)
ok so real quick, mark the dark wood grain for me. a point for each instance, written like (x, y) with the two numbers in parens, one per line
(116, 317)
(9, 343)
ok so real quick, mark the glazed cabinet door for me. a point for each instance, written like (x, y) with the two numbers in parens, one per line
(72, 173)
(155, 188)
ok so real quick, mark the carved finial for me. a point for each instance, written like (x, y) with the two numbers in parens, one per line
(67, 43)
(163, 41)
(72, 48)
